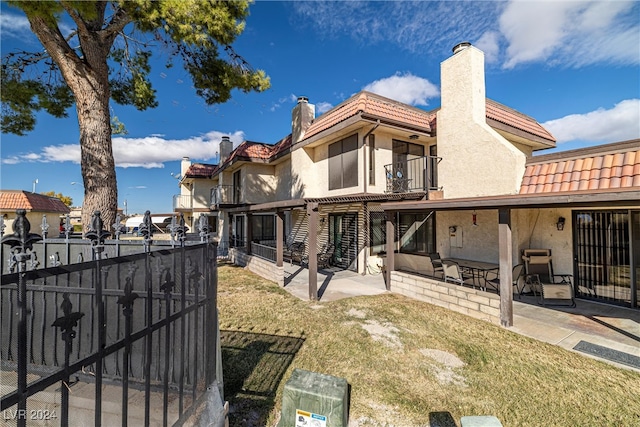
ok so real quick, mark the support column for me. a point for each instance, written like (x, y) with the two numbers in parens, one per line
(506, 273)
(279, 237)
(390, 248)
(249, 232)
(312, 212)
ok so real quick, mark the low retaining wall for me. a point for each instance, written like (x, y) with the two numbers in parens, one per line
(260, 266)
(472, 302)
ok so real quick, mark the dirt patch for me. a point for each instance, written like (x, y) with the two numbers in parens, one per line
(443, 368)
(358, 314)
(384, 333)
(387, 416)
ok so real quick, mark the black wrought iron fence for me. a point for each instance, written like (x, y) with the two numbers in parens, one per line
(145, 322)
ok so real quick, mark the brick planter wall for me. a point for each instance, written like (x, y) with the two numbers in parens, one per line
(262, 267)
(469, 301)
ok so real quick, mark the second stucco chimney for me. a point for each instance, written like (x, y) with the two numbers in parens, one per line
(301, 118)
(226, 146)
(184, 166)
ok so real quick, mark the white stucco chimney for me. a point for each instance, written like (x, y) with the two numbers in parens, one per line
(462, 82)
(476, 160)
(184, 166)
(301, 118)
(226, 146)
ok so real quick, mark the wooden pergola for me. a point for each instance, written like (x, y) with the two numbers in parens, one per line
(311, 206)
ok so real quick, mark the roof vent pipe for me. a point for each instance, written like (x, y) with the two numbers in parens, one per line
(302, 99)
(460, 47)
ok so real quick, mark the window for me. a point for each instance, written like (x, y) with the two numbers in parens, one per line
(403, 151)
(343, 163)
(377, 233)
(237, 187)
(416, 233)
(263, 227)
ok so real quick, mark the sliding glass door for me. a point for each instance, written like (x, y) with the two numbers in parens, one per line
(607, 252)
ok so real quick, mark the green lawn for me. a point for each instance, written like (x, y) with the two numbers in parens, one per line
(408, 363)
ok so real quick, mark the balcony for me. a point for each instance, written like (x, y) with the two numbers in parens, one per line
(419, 174)
(224, 195)
(182, 202)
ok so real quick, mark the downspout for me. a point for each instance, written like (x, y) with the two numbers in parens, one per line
(367, 221)
(364, 154)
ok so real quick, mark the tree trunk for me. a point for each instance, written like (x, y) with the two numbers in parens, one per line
(88, 79)
(98, 166)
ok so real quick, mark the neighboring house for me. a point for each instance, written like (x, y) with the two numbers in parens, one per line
(441, 181)
(37, 206)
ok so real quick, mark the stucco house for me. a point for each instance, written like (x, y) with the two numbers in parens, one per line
(461, 181)
(37, 206)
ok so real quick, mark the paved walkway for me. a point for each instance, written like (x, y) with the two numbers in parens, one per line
(606, 332)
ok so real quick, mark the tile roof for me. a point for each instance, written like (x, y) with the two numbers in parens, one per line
(606, 167)
(10, 200)
(257, 150)
(373, 105)
(508, 116)
(376, 106)
(200, 170)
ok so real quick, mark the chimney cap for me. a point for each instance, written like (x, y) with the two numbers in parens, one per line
(302, 99)
(460, 46)
(225, 138)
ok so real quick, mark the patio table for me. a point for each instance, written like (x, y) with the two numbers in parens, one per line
(479, 270)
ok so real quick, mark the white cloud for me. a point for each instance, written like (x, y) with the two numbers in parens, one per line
(488, 43)
(323, 107)
(405, 88)
(571, 33)
(148, 152)
(559, 33)
(14, 25)
(18, 26)
(424, 28)
(620, 123)
(291, 98)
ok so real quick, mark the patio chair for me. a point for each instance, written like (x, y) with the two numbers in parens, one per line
(540, 276)
(452, 273)
(518, 279)
(294, 252)
(325, 258)
(436, 263)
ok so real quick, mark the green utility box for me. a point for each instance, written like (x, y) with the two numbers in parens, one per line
(314, 400)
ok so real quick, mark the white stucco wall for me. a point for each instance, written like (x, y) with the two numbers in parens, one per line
(531, 229)
(286, 187)
(202, 193)
(476, 160)
(259, 183)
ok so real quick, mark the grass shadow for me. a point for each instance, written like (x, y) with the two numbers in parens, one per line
(441, 419)
(253, 366)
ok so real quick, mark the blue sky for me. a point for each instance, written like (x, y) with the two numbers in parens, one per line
(574, 66)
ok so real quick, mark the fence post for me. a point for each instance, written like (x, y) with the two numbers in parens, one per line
(21, 244)
(97, 234)
(126, 301)
(66, 323)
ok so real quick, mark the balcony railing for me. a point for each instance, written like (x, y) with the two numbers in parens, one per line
(419, 174)
(182, 201)
(224, 195)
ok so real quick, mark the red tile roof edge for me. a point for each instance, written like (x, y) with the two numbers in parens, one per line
(608, 167)
(33, 202)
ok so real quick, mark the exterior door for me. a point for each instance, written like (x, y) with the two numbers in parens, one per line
(606, 260)
(343, 236)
